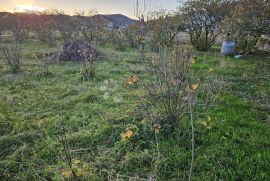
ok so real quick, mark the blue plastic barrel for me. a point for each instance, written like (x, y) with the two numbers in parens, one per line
(228, 48)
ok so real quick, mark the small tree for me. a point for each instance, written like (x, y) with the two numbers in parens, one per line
(202, 20)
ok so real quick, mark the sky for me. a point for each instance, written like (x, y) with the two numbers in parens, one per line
(125, 7)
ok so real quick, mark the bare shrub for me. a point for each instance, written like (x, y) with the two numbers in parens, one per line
(64, 24)
(44, 28)
(163, 28)
(92, 27)
(177, 94)
(12, 56)
(169, 80)
(20, 26)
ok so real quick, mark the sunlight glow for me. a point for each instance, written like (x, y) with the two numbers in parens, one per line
(27, 8)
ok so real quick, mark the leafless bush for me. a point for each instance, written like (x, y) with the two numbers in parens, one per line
(47, 36)
(12, 56)
(44, 28)
(169, 80)
(20, 26)
(91, 26)
(64, 24)
(163, 28)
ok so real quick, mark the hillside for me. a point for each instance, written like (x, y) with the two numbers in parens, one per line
(117, 20)
(113, 20)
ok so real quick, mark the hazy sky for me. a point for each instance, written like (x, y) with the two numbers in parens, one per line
(125, 7)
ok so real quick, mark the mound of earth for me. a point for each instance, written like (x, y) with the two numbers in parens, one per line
(77, 50)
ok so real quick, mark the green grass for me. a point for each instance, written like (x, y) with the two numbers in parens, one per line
(34, 107)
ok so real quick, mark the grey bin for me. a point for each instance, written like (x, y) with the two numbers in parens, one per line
(228, 48)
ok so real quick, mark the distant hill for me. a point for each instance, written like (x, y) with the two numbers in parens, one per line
(117, 20)
(113, 20)
(2, 14)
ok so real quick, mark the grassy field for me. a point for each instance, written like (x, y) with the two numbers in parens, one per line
(49, 98)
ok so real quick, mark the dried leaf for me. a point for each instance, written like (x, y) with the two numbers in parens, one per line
(76, 161)
(67, 173)
(194, 87)
(133, 80)
(79, 172)
(127, 134)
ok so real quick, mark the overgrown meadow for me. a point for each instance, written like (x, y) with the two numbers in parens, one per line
(106, 97)
(47, 112)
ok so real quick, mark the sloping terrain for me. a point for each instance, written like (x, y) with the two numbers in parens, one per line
(118, 20)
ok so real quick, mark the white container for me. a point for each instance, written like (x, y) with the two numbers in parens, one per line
(228, 48)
